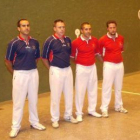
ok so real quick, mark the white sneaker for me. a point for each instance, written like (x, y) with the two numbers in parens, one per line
(95, 114)
(55, 124)
(38, 126)
(122, 110)
(79, 118)
(105, 114)
(71, 119)
(14, 132)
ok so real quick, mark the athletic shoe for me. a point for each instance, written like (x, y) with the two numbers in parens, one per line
(71, 119)
(55, 124)
(122, 110)
(95, 114)
(14, 132)
(38, 126)
(79, 118)
(105, 114)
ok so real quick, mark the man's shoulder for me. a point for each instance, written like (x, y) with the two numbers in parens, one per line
(94, 38)
(33, 39)
(103, 37)
(120, 36)
(77, 40)
(67, 37)
(50, 38)
(13, 41)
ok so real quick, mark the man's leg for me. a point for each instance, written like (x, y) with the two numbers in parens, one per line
(19, 92)
(80, 88)
(118, 87)
(20, 84)
(33, 99)
(92, 92)
(56, 80)
(108, 79)
(68, 92)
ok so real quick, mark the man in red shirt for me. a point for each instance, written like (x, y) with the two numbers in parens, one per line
(84, 50)
(111, 48)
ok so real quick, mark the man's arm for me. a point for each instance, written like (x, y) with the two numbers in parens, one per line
(99, 57)
(46, 63)
(72, 59)
(37, 60)
(9, 66)
(73, 51)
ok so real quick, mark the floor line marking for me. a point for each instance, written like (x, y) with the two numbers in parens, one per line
(127, 92)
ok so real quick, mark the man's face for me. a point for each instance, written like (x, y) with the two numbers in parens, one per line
(24, 28)
(86, 30)
(59, 29)
(112, 29)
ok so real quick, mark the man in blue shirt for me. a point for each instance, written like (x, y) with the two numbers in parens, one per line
(56, 57)
(21, 58)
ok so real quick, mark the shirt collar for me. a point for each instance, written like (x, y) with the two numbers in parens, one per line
(116, 35)
(29, 37)
(58, 37)
(84, 38)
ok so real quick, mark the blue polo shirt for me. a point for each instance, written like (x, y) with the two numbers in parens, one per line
(23, 54)
(57, 51)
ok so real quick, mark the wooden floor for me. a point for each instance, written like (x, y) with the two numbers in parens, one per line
(117, 127)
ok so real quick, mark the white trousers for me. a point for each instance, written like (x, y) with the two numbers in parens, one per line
(25, 84)
(112, 74)
(61, 80)
(86, 78)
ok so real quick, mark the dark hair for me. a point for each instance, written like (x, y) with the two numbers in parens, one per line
(57, 20)
(84, 23)
(110, 21)
(18, 23)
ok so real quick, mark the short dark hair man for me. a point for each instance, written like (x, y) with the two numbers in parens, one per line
(84, 50)
(56, 57)
(111, 48)
(21, 58)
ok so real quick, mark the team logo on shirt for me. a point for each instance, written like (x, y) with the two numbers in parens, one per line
(121, 45)
(27, 47)
(63, 45)
(93, 45)
(33, 47)
(68, 44)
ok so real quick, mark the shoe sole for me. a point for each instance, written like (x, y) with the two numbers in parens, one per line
(105, 116)
(95, 116)
(121, 112)
(15, 135)
(71, 122)
(74, 122)
(55, 127)
(80, 121)
(37, 129)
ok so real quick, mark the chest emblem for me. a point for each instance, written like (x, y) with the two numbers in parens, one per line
(63, 45)
(27, 47)
(68, 44)
(93, 45)
(33, 47)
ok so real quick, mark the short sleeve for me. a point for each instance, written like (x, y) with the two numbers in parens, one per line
(46, 49)
(73, 50)
(11, 51)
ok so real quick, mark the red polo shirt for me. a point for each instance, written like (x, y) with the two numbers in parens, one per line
(84, 51)
(111, 49)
